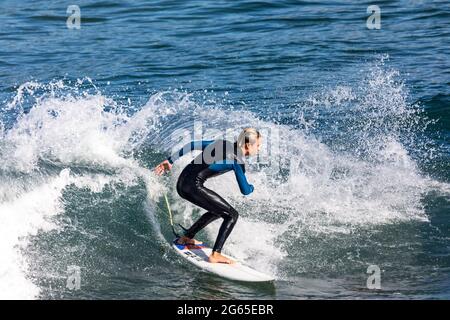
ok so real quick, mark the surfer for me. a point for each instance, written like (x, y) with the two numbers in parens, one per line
(217, 157)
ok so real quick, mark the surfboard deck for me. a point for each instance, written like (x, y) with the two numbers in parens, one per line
(198, 255)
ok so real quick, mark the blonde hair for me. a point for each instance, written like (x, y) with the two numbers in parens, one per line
(248, 135)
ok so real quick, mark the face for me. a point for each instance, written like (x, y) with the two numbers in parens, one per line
(253, 149)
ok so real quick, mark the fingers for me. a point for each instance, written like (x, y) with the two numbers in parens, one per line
(160, 168)
(167, 165)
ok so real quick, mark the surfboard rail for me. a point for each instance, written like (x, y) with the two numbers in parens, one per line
(198, 255)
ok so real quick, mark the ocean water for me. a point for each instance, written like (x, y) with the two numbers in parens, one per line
(354, 174)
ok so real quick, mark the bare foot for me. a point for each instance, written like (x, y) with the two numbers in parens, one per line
(186, 240)
(216, 257)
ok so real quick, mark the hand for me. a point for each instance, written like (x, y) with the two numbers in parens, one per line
(163, 166)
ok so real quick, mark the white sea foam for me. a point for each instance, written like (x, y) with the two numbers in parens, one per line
(61, 130)
(305, 185)
(302, 184)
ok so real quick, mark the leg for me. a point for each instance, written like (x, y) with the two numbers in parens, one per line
(229, 220)
(216, 207)
(202, 222)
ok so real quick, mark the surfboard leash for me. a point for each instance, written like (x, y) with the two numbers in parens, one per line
(170, 217)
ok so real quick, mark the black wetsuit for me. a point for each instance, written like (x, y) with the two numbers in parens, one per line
(218, 157)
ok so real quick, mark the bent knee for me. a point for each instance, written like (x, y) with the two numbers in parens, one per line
(232, 214)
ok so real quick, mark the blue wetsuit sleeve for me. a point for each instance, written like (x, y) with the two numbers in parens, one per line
(244, 186)
(193, 145)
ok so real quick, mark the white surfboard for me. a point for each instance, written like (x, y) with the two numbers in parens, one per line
(198, 255)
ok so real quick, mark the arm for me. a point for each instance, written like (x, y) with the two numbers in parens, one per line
(166, 165)
(193, 145)
(244, 186)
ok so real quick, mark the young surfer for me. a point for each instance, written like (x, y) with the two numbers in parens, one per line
(217, 157)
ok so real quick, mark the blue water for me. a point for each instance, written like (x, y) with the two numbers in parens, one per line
(355, 170)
